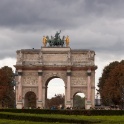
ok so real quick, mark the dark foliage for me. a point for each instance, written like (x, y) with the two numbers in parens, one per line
(7, 95)
(111, 84)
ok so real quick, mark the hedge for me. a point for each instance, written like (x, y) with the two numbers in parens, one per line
(66, 112)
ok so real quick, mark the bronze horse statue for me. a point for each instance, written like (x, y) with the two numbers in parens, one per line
(55, 41)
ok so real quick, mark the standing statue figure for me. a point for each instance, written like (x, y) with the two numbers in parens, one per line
(44, 41)
(57, 35)
(67, 40)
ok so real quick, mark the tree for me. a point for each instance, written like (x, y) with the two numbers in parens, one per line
(105, 74)
(79, 102)
(111, 83)
(6, 87)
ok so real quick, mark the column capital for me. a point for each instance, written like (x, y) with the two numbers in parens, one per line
(20, 73)
(88, 72)
(68, 73)
(40, 72)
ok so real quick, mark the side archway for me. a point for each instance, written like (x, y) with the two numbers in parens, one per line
(79, 100)
(30, 100)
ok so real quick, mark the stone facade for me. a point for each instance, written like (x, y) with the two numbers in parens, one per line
(36, 67)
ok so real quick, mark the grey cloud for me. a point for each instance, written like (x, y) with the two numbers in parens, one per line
(107, 8)
(17, 13)
(58, 13)
(91, 24)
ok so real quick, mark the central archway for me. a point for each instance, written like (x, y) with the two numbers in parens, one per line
(55, 93)
(30, 100)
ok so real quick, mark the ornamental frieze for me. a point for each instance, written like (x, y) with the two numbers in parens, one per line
(30, 73)
(55, 57)
(30, 57)
(79, 57)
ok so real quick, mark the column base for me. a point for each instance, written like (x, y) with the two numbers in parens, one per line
(40, 104)
(88, 105)
(19, 105)
(68, 104)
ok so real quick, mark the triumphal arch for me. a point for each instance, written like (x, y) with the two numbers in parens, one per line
(55, 59)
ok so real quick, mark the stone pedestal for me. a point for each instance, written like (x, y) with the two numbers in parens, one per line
(19, 105)
(68, 104)
(40, 104)
(88, 105)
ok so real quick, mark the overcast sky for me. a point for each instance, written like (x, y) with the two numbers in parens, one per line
(91, 24)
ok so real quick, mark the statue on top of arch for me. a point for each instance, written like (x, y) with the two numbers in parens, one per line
(56, 40)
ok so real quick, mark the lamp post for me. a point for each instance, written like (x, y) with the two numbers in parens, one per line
(97, 99)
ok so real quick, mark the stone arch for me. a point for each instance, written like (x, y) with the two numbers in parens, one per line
(46, 83)
(28, 89)
(79, 95)
(47, 76)
(30, 100)
(76, 90)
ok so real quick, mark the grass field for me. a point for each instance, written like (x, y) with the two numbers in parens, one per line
(3, 121)
(91, 119)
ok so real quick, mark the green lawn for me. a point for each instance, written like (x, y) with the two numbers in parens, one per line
(98, 119)
(3, 121)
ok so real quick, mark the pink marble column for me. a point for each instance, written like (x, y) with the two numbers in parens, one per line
(40, 85)
(89, 85)
(19, 86)
(68, 93)
(40, 90)
(68, 88)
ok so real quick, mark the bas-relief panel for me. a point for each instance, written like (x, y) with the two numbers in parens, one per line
(27, 57)
(78, 78)
(55, 57)
(30, 78)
